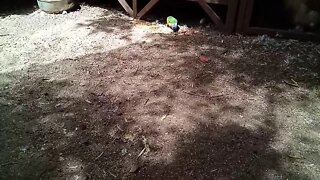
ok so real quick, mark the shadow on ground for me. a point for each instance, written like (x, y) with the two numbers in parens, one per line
(40, 128)
(96, 121)
(10, 7)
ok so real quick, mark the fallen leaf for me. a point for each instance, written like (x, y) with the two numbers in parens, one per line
(88, 101)
(203, 58)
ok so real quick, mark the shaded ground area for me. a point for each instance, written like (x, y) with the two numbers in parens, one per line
(8, 7)
(111, 98)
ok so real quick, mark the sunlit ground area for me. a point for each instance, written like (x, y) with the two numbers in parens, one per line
(94, 94)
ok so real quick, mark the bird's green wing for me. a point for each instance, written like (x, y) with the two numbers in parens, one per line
(171, 20)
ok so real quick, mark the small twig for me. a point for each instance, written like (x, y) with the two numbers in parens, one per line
(217, 96)
(142, 151)
(114, 139)
(112, 174)
(1, 35)
(146, 148)
(214, 170)
(190, 93)
(146, 101)
(88, 101)
(9, 163)
(295, 82)
(163, 117)
(119, 128)
(291, 84)
(126, 120)
(45, 79)
(104, 173)
(99, 156)
(136, 70)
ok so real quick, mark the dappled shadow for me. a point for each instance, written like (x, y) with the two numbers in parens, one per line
(92, 116)
(45, 133)
(277, 65)
(251, 63)
(108, 24)
(223, 152)
(180, 82)
(111, 22)
(49, 133)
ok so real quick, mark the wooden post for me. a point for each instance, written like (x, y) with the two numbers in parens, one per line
(135, 8)
(249, 11)
(231, 16)
(241, 16)
(213, 16)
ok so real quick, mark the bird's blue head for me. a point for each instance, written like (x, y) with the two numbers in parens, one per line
(175, 28)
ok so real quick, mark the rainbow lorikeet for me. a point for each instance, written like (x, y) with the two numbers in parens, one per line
(172, 23)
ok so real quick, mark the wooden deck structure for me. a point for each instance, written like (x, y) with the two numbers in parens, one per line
(244, 17)
(227, 26)
(238, 18)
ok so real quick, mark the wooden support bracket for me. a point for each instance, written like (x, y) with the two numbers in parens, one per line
(227, 26)
(147, 8)
(135, 8)
(126, 7)
(213, 16)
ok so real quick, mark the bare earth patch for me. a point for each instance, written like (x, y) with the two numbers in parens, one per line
(94, 94)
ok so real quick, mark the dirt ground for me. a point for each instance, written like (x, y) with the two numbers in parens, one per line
(93, 94)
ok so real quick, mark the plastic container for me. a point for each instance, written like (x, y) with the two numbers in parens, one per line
(56, 6)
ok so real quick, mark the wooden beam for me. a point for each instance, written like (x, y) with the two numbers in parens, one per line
(241, 16)
(231, 16)
(126, 7)
(135, 8)
(213, 16)
(147, 8)
(249, 11)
